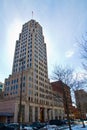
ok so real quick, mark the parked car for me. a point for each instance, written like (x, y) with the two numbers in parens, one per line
(15, 126)
(37, 125)
(1, 124)
(71, 121)
(55, 122)
(6, 128)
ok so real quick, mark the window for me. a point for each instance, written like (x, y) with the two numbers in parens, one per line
(30, 79)
(30, 64)
(24, 78)
(30, 85)
(16, 86)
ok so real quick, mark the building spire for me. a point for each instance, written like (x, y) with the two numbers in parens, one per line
(32, 14)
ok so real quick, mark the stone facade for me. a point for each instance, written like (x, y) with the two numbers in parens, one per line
(31, 112)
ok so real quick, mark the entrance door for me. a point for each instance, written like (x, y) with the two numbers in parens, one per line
(41, 114)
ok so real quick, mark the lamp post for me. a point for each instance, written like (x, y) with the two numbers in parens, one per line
(20, 103)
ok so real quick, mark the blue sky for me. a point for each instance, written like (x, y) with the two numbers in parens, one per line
(64, 23)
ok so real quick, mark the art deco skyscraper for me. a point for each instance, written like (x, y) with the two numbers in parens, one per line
(31, 48)
(30, 61)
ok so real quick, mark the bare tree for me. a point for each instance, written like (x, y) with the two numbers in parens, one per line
(83, 51)
(69, 78)
(63, 74)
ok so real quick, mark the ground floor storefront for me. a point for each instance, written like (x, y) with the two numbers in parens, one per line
(6, 117)
(31, 112)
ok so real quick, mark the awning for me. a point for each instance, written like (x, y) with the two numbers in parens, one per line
(6, 114)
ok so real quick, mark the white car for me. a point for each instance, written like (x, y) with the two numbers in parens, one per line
(51, 127)
(28, 128)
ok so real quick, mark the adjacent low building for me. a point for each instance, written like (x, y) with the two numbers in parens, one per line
(81, 102)
(64, 93)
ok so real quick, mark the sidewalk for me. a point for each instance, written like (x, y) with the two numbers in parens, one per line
(57, 128)
(77, 127)
(74, 127)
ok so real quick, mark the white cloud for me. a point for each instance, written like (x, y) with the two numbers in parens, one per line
(69, 53)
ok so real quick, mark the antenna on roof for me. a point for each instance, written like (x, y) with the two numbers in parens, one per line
(32, 14)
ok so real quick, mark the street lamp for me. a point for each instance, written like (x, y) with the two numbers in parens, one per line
(20, 103)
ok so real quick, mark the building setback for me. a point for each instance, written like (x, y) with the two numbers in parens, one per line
(30, 69)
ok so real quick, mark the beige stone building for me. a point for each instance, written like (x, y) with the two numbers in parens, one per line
(30, 73)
